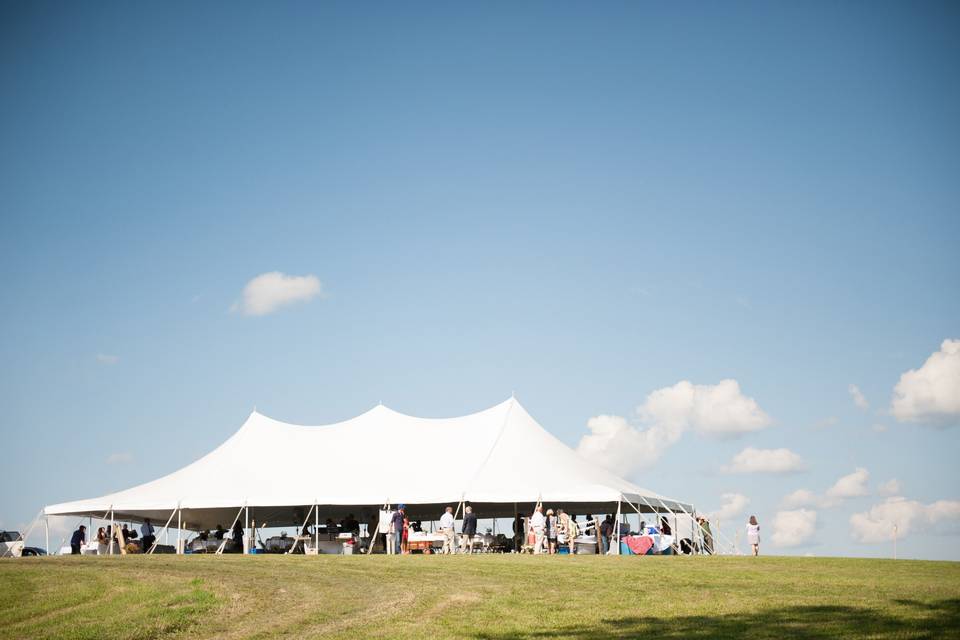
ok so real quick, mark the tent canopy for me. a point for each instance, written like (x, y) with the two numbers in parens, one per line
(492, 459)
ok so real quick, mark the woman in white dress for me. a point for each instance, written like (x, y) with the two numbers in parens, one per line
(753, 535)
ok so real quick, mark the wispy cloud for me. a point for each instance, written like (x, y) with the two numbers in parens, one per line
(858, 398)
(104, 358)
(121, 457)
(752, 460)
(877, 524)
(268, 292)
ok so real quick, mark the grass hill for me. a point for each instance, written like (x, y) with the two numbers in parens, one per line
(483, 597)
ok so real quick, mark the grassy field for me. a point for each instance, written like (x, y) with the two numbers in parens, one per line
(484, 597)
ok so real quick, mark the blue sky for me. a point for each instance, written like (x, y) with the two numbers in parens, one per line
(583, 204)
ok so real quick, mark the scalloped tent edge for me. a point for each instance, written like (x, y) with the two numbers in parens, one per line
(499, 460)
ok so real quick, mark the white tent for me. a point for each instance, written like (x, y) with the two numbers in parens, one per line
(498, 460)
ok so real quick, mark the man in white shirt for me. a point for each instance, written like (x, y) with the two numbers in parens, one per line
(537, 522)
(446, 527)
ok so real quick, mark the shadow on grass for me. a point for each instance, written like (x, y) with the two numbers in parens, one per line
(910, 619)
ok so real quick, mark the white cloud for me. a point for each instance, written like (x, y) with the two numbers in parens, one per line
(269, 291)
(664, 417)
(714, 409)
(877, 524)
(879, 428)
(732, 506)
(889, 488)
(121, 457)
(852, 485)
(793, 528)
(858, 398)
(800, 498)
(752, 460)
(104, 358)
(614, 443)
(931, 393)
(826, 422)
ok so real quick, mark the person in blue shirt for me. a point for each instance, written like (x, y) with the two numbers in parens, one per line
(78, 540)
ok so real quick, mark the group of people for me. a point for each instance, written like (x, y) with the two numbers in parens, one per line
(551, 531)
(548, 532)
(105, 536)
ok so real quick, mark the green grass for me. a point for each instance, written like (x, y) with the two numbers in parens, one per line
(484, 597)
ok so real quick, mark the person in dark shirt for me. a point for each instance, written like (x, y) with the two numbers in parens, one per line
(219, 532)
(78, 540)
(350, 524)
(237, 535)
(606, 530)
(665, 527)
(469, 529)
(397, 526)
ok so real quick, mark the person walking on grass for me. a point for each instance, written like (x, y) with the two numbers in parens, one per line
(753, 535)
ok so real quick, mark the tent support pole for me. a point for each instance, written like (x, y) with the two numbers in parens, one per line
(157, 538)
(245, 529)
(316, 528)
(22, 537)
(232, 525)
(618, 526)
(305, 521)
(46, 531)
(179, 527)
(516, 518)
(113, 529)
(698, 524)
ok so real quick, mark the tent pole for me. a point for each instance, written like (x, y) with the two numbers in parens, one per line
(46, 531)
(179, 527)
(316, 528)
(245, 530)
(232, 525)
(113, 529)
(618, 527)
(298, 532)
(699, 525)
(165, 529)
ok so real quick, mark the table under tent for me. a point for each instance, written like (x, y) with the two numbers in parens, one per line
(499, 461)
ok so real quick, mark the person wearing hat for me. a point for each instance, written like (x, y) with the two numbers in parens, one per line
(396, 526)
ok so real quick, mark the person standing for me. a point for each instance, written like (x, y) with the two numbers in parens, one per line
(537, 524)
(237, 535)
(551, 530)
(606, 530)
(396, 526)
(573, 532)
(146, 535)
(446, 528)
(753, 535)
(469, 529)
(78, 540)
(101, 541)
